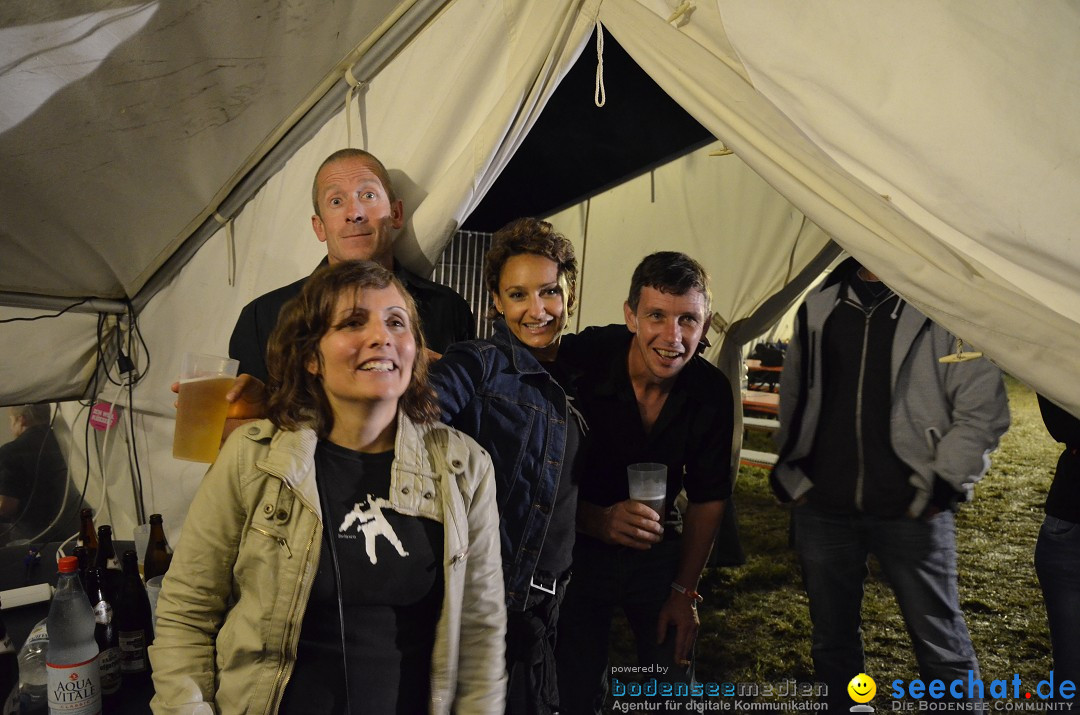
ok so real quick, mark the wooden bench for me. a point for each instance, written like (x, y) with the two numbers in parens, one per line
(761, 423)
(753, 458)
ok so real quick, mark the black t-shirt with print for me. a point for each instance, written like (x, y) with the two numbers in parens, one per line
(391, 576)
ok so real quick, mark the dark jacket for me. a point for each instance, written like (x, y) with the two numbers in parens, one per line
(1063, 499)
(498, 393)
(445, 318)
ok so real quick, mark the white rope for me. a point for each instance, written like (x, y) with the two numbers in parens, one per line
(684, 7)
(600, 94)
(354, 84)
(230, 245)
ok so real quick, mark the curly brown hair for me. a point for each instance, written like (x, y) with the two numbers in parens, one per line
(530, 235)
(297, 397)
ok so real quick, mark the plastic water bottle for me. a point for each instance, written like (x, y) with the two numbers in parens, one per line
(9, 674)
(33, 675)
(72, 660)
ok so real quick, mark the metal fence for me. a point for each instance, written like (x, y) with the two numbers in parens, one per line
(461, 267)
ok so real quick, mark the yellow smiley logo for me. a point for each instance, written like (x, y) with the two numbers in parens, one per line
(862, 688)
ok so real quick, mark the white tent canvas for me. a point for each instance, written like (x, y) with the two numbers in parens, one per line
(933, 141)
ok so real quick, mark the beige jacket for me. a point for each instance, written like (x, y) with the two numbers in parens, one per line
(231, 606)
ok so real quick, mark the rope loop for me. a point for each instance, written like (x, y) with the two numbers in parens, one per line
(600, 93)
(354, 84)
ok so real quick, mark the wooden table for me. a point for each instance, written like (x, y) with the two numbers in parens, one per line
(759, 401)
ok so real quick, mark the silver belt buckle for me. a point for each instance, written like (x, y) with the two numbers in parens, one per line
(541, 587)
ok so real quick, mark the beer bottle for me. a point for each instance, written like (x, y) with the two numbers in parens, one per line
(108, 642)
(158, 554)
(106, 558)
(133, 623)
(87, 534)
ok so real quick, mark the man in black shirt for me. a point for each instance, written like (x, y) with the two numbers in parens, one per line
(37, 500)
(357, 214)
(647, 397)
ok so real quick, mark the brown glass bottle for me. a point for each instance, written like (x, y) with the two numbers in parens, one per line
(88, 535)
(158, 554)
(108, 641)
(106, 558)
(133, 622)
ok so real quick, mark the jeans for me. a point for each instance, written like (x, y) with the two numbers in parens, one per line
(605, 578)
(919, 560)
(1057, 563)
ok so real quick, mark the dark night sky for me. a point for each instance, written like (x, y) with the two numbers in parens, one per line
(577, 149)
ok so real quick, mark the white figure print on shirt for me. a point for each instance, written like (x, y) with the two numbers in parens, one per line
(372, 523)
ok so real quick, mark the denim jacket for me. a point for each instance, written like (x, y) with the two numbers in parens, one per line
(498, 393)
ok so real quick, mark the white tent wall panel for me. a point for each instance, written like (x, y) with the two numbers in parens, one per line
(71, 427)
(748, 237)
(975, 153)
(1023, 335)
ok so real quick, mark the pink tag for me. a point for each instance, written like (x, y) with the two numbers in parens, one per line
(103, 416)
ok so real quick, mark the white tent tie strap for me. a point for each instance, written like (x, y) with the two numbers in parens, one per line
(354, 84)
(231, 245)
(600, 94)
(684, 8)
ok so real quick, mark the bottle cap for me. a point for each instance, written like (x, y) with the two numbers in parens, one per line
(68, 564)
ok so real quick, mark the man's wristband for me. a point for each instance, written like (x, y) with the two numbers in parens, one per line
(694, 596)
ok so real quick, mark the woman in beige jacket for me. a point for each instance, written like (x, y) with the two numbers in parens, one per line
(342, 555)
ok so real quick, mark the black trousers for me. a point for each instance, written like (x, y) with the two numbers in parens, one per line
(530, 654)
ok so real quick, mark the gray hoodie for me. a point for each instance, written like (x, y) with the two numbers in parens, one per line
(945, 418)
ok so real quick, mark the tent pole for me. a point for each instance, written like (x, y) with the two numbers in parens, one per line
(72, 305)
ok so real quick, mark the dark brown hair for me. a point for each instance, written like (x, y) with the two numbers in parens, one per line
(297, 397)
(530, 235)
(372, 161)
(31, 415)
(669, 272)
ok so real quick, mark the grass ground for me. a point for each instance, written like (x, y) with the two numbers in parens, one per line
(755, 620)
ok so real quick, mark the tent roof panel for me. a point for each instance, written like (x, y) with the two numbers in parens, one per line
(132, 118)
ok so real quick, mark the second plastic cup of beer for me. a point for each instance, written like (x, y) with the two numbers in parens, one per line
(648, 485)
(201, 409)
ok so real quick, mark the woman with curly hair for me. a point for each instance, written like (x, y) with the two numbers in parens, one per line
(341, 556)
(509, 394)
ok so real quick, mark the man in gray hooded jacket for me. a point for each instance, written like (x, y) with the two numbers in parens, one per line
(878, 442)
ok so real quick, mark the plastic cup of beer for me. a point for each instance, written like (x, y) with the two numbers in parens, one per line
(153, 589)
(141, 537)
(648, 484)
(201, 409)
